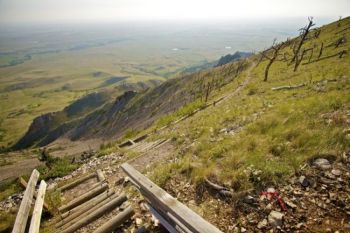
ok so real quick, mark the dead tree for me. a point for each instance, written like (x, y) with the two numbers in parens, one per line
(303, 35)
(311, 54)
(339, 42)
(275, 52)
(339, 24)
(320, 53)
(299, 59)
(342, 53)
(317, 33)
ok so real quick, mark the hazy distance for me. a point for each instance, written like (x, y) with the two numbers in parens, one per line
(78, 11)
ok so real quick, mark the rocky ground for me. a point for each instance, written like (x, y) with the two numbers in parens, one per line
(317, 199)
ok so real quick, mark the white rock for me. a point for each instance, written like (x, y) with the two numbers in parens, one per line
(336, 172)
(275, 218)
(262, 224)
(323, 164)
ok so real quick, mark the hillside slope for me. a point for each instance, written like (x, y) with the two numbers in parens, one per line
(132, 112)
(270, 136)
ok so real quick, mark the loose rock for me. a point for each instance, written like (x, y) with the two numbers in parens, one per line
(275, 218)
(322, 164)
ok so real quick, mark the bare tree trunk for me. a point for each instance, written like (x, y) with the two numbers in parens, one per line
(267, 69)
(298, 60)
(305, 32)
(320, 53)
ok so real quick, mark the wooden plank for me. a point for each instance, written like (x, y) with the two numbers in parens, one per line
(77, 182)
(116, 221)
(83, 198)
(25, 184)
(161, 200)
(91, 202)
(23, 212)
(38, 208)
(95, 214)
(100, 175)
(142, 137)
(86, 209)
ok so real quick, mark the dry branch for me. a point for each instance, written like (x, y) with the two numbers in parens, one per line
(287, 87)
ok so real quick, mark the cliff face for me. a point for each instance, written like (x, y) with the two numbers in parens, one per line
(48, 127)
(39, 128)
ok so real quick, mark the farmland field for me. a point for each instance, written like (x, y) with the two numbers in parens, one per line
(45, 67)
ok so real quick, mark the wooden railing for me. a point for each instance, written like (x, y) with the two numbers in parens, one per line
(24, 209)
(172, 214)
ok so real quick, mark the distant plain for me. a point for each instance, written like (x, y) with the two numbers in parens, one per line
(45, 67)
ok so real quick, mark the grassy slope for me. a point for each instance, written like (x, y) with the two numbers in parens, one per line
(277, 130)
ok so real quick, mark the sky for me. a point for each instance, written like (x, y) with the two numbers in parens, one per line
(43, 11)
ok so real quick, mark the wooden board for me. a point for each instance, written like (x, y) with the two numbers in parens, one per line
(38, 208)
(168, 206)
(23, 212)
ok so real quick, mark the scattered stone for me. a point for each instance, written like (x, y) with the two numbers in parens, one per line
(262, 224)
(291, 204)
(336, 172)
(322, 164)
(304, 181)
(243, 229)
(138, 221)
(275, 218)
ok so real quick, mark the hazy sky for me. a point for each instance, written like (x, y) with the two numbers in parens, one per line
(121, 10)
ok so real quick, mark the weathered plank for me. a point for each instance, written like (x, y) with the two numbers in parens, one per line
(83, 198)
(86, 209)
(164, 203)
(77, 182)
(95, 214)
(100, 175)
(25, 184)
(23, 212)
(116, 221)
(38, 208)
(90, 203)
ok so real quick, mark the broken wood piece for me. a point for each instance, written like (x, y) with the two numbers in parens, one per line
(76, 182)
(100, 175)
(95, 214)
(83, 198)
(25, 184)
(23, 212)
(116, 221)
(222, 190)
(86, 209)
(287, 87)
(38, 208)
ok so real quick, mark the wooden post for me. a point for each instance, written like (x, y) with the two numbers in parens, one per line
(76, 182)
(100, 175)
(25, 184)
(87, 196)
(116, 221)
(86, 209)
(38, 208)
(23, 212)
(95, 214)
